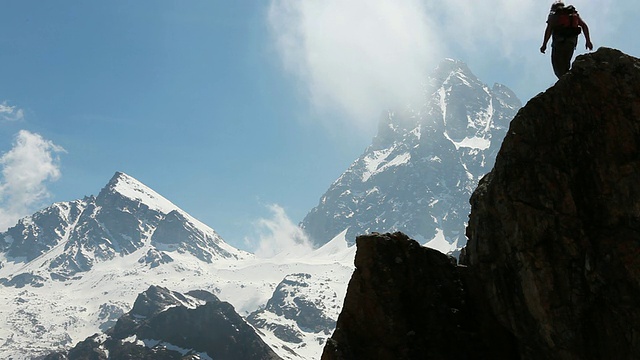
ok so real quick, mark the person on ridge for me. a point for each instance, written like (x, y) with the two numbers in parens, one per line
(564, 24)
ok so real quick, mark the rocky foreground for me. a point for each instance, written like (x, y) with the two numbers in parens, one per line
(552, 266)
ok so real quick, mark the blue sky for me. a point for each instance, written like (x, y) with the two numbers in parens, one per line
(229, 107)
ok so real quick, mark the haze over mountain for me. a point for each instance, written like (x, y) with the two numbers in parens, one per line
(422, 166)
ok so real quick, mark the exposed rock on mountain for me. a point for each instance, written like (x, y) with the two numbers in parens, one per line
(167, 325)
(553, 259)
(75, 268)
(406, 301)
(35, 235)
(421, 168)
(124, 217)
(305, 302)
(155, 258)
(23, 279)
(302, 311)
(555, 228)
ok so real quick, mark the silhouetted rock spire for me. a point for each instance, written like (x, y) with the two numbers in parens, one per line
(554, 232)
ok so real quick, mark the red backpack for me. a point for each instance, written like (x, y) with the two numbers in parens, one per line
(565, 22)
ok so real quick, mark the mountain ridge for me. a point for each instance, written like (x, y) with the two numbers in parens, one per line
(423, 164)
(125, 216)
(165, 324)
(86, 261)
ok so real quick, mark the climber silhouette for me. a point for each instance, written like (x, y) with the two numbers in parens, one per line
(564, 24)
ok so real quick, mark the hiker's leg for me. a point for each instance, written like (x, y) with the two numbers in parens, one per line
(561, 54)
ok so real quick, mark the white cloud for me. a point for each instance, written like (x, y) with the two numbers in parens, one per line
(279, 235)
(362, 56)
(359, 56)
(10, 113)
(499, 25)
(493, 34)
(26, 169)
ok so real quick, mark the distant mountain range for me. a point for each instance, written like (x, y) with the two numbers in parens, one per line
(421, 168)
(126, 216)
(82, 275)
(76, 268)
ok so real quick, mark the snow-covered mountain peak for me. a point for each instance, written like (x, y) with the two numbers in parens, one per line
(132, 189)
(420, 169)
(449, 69)
(126, 218)
(448, 65)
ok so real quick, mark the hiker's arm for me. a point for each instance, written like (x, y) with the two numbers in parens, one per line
(547, 36)
(585, 30)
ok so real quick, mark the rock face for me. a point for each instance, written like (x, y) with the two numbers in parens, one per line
(164, 324)
(124, 217)
(555, 228)
(406, 301)
(552, 266)
(306, 309)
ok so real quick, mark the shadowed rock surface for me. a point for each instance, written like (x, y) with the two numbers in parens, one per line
(406, 301)
(553, 259)
(164, 324)
(555, 228)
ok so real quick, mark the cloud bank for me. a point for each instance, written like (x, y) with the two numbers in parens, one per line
(280, 236)
(360, 57)
(356, 57)
(26, 169)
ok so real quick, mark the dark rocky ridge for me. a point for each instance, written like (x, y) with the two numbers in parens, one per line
(553, 259)
(555, 228)
(396, 295)
(197, 322)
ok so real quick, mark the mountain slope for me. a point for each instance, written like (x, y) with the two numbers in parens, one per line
(73, 269)
(422, 166)
(125, 217)
(554, 232)
(302, 312)
(164, 324)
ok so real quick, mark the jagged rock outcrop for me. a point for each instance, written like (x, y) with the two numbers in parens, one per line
(406, 301)
(164, 324)
(304, 302)
(552, 266)
(555, 228)
(23, 279)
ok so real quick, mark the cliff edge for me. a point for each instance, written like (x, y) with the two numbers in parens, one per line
(554, 231)
(552, 266)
